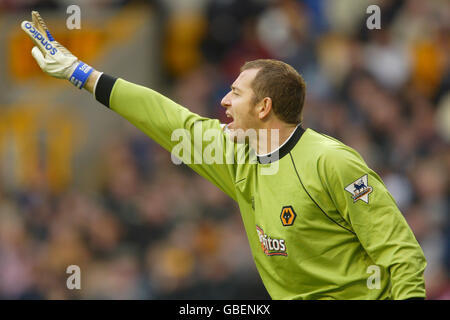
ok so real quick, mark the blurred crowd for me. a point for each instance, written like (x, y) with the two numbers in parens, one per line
(154, 230)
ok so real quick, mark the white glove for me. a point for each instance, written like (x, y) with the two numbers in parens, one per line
(52, 57)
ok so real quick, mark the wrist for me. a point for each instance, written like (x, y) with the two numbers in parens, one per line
(80, 74)
(92, 81)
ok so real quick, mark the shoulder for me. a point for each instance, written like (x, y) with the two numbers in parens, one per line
(316, 146)
(326, 155)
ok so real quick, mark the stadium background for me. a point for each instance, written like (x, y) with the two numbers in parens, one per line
(81, 186)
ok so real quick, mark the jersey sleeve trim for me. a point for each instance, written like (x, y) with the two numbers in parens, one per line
(104, 88)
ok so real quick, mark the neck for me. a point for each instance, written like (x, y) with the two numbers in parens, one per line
(271, 138)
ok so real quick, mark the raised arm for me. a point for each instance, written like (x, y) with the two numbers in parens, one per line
(163, 120)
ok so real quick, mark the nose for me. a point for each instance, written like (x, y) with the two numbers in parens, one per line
(226, 102)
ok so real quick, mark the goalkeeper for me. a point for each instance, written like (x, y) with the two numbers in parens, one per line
(320, 226)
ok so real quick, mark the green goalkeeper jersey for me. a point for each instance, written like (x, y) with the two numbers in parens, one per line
(320, 223)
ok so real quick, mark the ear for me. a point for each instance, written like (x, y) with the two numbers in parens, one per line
(264, 108)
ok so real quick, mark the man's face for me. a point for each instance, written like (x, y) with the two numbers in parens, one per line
(239, 104)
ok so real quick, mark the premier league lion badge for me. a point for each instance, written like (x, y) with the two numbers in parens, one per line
(359, 189)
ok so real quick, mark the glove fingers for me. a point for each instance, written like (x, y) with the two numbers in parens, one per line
(38, 38)
(53, 58)
(39, 23)
(38, 56)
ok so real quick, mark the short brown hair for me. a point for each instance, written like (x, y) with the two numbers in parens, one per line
(283, 84)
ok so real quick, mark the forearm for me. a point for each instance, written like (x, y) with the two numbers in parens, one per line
(92, 80)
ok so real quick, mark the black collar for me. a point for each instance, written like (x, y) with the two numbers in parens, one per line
(284, 149)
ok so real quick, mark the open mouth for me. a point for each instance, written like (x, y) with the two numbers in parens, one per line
(229, 118)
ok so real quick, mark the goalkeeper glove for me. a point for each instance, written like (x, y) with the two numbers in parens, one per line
(52, 57)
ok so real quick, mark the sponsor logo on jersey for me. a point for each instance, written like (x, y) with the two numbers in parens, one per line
(360, 189)
(38, 36)
(287, 216)
(271, 246)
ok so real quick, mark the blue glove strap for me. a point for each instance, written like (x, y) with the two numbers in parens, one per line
(80, 75)
(49, 35)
